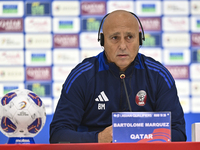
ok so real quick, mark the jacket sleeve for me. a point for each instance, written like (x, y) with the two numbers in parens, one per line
(167, 100)
(69, 114)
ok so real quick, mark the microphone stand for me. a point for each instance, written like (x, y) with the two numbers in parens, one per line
(122, 76)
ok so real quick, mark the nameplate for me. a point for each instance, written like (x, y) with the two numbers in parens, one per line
(141, 127)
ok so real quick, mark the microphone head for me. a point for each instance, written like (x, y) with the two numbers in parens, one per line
(122, 74)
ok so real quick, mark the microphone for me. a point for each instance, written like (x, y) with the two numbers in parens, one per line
(122, 76)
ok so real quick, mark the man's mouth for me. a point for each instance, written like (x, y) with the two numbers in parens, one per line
(122, 55)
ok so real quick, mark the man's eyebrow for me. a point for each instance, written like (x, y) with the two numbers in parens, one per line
(118, 33)
(114, 34)
(130, 33)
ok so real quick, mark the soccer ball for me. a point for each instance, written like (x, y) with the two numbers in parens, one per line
(22, 114)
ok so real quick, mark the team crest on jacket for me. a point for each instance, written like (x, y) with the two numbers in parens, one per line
(141, 98)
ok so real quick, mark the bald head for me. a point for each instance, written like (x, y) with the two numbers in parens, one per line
(120, 18)
(121, 38)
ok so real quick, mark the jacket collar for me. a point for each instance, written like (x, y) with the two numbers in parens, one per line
(136, 64)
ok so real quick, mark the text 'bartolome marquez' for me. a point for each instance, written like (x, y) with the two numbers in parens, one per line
(155, 124)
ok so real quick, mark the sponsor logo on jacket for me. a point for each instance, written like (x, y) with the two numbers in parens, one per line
(102, 98)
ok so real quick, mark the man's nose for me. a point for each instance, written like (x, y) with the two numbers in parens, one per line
(122, 44)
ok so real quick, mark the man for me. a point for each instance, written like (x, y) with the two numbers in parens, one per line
(94, 90)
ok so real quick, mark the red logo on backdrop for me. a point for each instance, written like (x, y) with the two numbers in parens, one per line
(38, 73)
(179, 72)
(141, 98)
(195, 39)
(124, 6)
(11, 25)
(93, 8)
(151, 24)
(66, 41)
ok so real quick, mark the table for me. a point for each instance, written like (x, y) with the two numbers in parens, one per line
(106, 146)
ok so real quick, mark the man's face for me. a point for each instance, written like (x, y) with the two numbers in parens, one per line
(121, 40)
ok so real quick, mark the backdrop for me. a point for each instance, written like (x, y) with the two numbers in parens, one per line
(41, 41)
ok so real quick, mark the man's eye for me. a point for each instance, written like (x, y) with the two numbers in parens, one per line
(114, 37)
(130, 37)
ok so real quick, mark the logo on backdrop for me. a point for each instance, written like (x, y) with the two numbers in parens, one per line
(148, 8)
(64, 8)
(89, 53)
(195, 7)
(195, 39)
(61, 72)
(177, 56)
(195, 104)
(176, 40)
(57, 88)
(151, 24)
(195, 24)
(66, 57)
(66, 25)
(174, 8)
(37, 8)
(120, 5)
(93, 8)
(179, 71)
(38, 57)
(195, 88)
(195, 55)
(8, 8)
(175, 23)
(38, 40)
(11, 9)
(141, 98)
(155, 53)
(40, 89)
(91, 24)
(12, 41)
(11, 25)
(5, 88)
(11, 74)
(195, 71)
(38, 24)
(66, 40)
(38, 73)
(183, 87)
(12, 57)
(88, 40)
(152, 40)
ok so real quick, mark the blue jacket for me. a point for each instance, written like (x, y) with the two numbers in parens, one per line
(93, 90)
